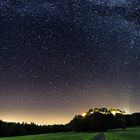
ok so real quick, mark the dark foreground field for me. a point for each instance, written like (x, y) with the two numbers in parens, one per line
(56, 136)
(128, 134)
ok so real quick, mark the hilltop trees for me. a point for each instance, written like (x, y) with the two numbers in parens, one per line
(132, 119)
(103, 119)
(93, 122)
(120, 121)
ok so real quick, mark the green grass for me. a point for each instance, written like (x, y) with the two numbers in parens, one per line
(56, 136)
(128, 134)
(118, 134)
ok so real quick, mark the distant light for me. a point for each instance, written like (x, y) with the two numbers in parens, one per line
(113, 112)
(117, 111)
(84, 114)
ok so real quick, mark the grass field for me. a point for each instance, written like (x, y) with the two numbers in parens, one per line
(128, 134)
(56, 136)
(118, 134)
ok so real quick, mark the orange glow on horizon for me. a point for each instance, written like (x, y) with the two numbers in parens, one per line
(50, 120)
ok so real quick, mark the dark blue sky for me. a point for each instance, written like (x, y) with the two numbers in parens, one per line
(58, 59)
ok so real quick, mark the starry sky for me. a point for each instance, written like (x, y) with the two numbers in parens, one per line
(60, 58)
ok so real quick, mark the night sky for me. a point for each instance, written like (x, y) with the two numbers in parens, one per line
(60, 58)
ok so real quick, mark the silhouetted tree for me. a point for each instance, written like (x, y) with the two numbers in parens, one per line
(120, 121)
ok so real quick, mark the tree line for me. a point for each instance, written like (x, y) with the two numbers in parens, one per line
(18, 129)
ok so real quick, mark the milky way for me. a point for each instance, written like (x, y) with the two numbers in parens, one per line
(58, 59)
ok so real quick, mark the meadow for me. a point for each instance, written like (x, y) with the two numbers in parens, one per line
(127, 134)
(118, 134)
(56, 136)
